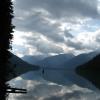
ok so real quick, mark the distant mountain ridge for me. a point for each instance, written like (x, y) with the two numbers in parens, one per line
(50, 61)
(79, 60)
(33, 59)
(68, 61)
(55, 61)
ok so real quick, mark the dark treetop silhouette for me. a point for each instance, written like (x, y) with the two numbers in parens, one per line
(6, 28)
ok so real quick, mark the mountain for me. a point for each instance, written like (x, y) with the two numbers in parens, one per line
(33, 59)
(91, 71)
(55, 61)
(19, 67)
(79, 60)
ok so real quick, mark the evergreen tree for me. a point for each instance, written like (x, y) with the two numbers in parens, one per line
(6, 28)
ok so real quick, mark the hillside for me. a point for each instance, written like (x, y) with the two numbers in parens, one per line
(91, 71)
(79, 60)
(19, 67)
(33, 59)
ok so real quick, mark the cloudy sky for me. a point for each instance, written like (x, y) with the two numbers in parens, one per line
(49, 27)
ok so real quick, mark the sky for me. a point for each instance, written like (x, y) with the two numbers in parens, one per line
(50, 27)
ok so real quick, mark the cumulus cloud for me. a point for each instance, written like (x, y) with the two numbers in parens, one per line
(37, 23)
(85, 41)
(43, 45)
(39, 44)
(45, 20)
(36, 13)
(74, 44)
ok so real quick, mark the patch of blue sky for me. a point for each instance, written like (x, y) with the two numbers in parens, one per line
(91, 25)
(74, 33)
(19, 50)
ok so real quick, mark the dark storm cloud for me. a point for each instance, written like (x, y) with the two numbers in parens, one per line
(37, 23)
(31, 15)
(81, 46)
(98, 38)
(75, 44)
(68, 34)
(62, 8)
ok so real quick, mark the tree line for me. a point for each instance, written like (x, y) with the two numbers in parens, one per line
(6, 30)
